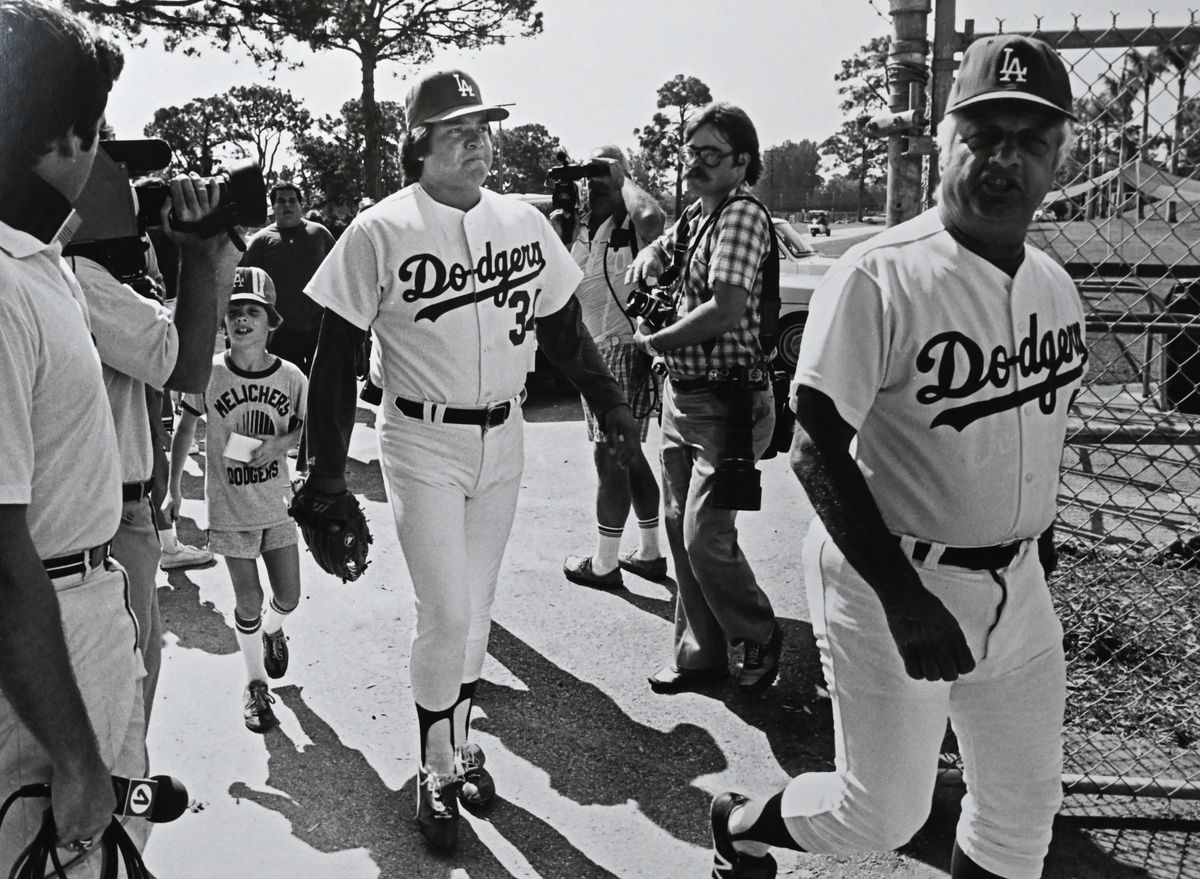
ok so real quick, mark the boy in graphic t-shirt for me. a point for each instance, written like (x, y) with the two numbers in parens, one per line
(254, 410)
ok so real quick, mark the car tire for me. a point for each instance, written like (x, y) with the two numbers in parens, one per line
(788, 347)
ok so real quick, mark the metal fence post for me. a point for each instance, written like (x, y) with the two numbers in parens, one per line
(907, 74)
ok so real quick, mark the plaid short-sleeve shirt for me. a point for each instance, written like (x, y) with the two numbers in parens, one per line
(731, 249)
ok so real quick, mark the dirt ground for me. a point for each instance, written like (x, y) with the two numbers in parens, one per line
(597, 776)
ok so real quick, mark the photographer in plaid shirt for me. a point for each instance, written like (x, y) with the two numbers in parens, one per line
(715, 333)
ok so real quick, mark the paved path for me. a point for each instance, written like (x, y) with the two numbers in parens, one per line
(597, 776)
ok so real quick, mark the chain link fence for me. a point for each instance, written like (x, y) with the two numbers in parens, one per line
(1124, 219)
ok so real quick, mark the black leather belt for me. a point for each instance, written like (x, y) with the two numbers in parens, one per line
(976, 558)
(753, 378)
(487, 417)
(135, 491)
(77, 562)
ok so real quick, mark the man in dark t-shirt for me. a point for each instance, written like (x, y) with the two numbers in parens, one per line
(289, 250)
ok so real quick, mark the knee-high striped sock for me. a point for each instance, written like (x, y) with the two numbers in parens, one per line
(608, 548)
(250, 642)
(437, 739)
(273, 621)
(462, 712)
(648, 530)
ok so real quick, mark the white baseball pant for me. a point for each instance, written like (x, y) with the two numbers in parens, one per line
(453, 490)
(888, 728)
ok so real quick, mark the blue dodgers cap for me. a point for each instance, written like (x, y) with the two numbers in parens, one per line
(1013, 68)
(446, 94)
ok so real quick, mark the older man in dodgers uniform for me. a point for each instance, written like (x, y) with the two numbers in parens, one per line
(950, 351)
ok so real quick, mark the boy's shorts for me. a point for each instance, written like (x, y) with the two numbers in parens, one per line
(253, 543)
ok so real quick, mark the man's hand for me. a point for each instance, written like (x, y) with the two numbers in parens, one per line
(82, 801)
(624, 436)
(192, 199)
(929, 639)
(642, 339)
(645, 268)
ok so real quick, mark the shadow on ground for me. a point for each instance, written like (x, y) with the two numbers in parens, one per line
(594, 753)
(336, 801)
(197, 624)
(793, 714)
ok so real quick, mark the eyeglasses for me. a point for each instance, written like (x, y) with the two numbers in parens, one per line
(707, 156)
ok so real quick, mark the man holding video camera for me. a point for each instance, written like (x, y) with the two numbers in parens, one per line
(70, 697)
(141, 344)
(718, 414)
(621, 219)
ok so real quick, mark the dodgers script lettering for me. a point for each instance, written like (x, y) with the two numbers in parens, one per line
(961, 368)
(505, 271)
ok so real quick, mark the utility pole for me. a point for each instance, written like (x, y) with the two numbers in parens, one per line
(907, 75)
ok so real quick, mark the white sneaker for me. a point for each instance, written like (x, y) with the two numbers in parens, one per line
(184, 556)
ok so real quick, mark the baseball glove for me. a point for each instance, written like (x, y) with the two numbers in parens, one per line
(334, 529)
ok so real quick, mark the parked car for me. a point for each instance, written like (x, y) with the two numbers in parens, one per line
(800, 268)
(818, 224)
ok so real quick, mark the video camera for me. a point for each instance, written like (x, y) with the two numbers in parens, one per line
(564, 196)
(113, 223)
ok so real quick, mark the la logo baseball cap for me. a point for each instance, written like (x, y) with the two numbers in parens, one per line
(1014, 68)
(251, 284)
(446, 94)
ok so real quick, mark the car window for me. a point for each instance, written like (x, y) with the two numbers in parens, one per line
(791, 239)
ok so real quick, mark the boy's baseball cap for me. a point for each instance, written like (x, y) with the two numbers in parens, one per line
(1013, 68)
(446, 94)
(252, 284)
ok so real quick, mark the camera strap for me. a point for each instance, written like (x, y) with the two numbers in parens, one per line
(769, 302)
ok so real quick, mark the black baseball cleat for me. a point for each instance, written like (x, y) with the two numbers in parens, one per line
(275, 654)
(437, 809)
(728, 862)
(478, 789)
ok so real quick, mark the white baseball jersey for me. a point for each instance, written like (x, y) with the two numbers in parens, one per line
(957, 378)
(450, 296)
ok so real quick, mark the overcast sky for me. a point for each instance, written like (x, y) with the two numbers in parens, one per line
(593, 74)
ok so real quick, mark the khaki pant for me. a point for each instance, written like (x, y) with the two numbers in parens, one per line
(101, 639)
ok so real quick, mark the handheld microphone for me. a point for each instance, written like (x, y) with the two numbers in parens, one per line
(158, 799)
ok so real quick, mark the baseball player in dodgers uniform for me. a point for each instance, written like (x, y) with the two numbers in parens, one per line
(948, 351)
(453, 281)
